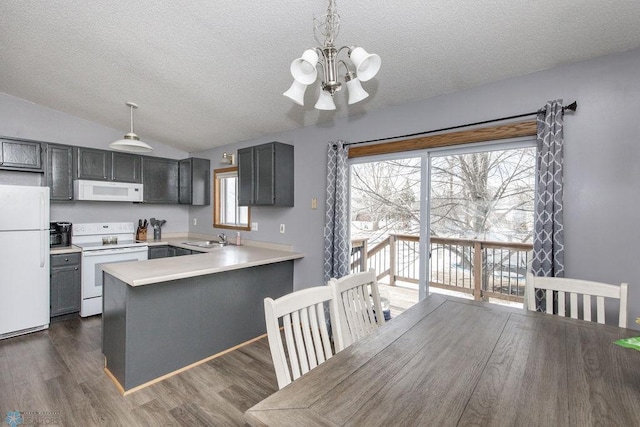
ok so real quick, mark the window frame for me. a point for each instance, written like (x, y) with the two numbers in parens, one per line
(217, 202)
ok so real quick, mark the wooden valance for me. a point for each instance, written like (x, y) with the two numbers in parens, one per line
(493, 133)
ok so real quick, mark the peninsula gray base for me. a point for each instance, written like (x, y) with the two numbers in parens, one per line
(152, 330)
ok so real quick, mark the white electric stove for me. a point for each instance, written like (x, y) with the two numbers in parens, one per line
(103, 243)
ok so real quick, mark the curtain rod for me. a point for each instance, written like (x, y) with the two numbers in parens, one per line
(571, 107)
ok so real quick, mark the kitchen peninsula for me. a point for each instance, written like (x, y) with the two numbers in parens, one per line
(163, 315)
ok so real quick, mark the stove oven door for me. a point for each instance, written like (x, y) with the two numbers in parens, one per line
(92, 262)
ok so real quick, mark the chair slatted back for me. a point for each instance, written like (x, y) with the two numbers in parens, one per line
(306, 339)
(359, 306)
(569, 290)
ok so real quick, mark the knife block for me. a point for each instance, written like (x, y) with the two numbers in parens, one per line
(141, 234)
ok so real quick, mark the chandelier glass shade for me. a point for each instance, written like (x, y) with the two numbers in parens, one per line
(131, 142)
(362, 66)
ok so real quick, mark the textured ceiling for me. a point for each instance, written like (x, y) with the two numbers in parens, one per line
(208, 73)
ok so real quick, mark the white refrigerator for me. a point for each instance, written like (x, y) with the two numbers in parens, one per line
(24, 259)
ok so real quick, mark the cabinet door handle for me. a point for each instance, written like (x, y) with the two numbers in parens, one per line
(66, 260)
(76, 268)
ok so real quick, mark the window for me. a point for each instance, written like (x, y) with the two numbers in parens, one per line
(226, 212)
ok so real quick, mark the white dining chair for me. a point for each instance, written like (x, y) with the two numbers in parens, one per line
(359, 307)
(305, 330)
(569, 289)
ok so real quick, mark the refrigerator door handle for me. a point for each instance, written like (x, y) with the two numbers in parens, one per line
(43, 210)
(43, 252)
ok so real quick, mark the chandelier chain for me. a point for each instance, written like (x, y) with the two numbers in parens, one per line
(328, 26)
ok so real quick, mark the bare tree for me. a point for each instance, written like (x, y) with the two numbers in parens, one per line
(479, 195)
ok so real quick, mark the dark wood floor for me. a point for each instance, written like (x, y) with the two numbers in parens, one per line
(61, 370)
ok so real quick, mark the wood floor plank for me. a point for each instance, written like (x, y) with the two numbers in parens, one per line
(153, 413)
(61, 369)
(189, 415)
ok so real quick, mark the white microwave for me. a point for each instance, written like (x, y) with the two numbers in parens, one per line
(107, 191)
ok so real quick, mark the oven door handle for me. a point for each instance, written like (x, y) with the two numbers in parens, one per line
(103, 252)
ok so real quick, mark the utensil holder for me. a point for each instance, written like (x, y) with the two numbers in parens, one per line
(156, 233)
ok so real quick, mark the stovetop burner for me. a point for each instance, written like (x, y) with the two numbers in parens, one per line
(103, 236)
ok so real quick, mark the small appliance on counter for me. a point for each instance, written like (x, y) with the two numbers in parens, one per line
(59, 234)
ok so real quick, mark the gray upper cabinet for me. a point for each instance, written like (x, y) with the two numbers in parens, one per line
(195, 187)
(265, 175)
(160, 178)
(126, 167)
(16, 154)
(59, 167)
(94, 164)
(102, 165)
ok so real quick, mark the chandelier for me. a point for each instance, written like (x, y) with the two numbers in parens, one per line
(304, 69)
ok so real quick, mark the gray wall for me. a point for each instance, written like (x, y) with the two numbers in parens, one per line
(602, 171)
(24, 119)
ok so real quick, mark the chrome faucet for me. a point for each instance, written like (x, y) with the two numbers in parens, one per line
(223, 238)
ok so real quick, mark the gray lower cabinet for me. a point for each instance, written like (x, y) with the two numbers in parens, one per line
(65, 284)
(165, 251)
(182, 251)
(152, 330)
(59, 176)
(195, 187)
(265, 175)
(22, 155)
(160, 178)
(158, 252)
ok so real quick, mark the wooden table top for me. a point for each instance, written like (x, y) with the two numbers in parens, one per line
(450, 361)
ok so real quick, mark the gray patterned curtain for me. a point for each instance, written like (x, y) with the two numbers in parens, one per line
(548, 236)
(336, 230)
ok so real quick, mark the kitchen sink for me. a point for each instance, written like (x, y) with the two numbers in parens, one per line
(207, 244)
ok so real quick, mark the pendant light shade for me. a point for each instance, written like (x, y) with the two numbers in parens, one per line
(356, 92)
(296, 92)
(325, 101)
(367, 64)
(131, 142)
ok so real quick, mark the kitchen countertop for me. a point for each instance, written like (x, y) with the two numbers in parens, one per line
(214, 260)
(65, 250)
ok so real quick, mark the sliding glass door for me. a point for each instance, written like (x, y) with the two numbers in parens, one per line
(446, 220)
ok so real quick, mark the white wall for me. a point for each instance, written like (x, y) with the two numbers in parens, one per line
(602, 163)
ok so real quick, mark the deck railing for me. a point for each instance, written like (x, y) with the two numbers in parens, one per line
(481, 268)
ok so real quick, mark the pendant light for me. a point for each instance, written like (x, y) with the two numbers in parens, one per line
(131, 142)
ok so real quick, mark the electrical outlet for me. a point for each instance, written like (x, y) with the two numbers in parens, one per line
(195, 221)
(282, 228)
(314, 203)
(254, 226)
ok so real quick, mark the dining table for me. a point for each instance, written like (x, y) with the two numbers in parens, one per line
(449, 361)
